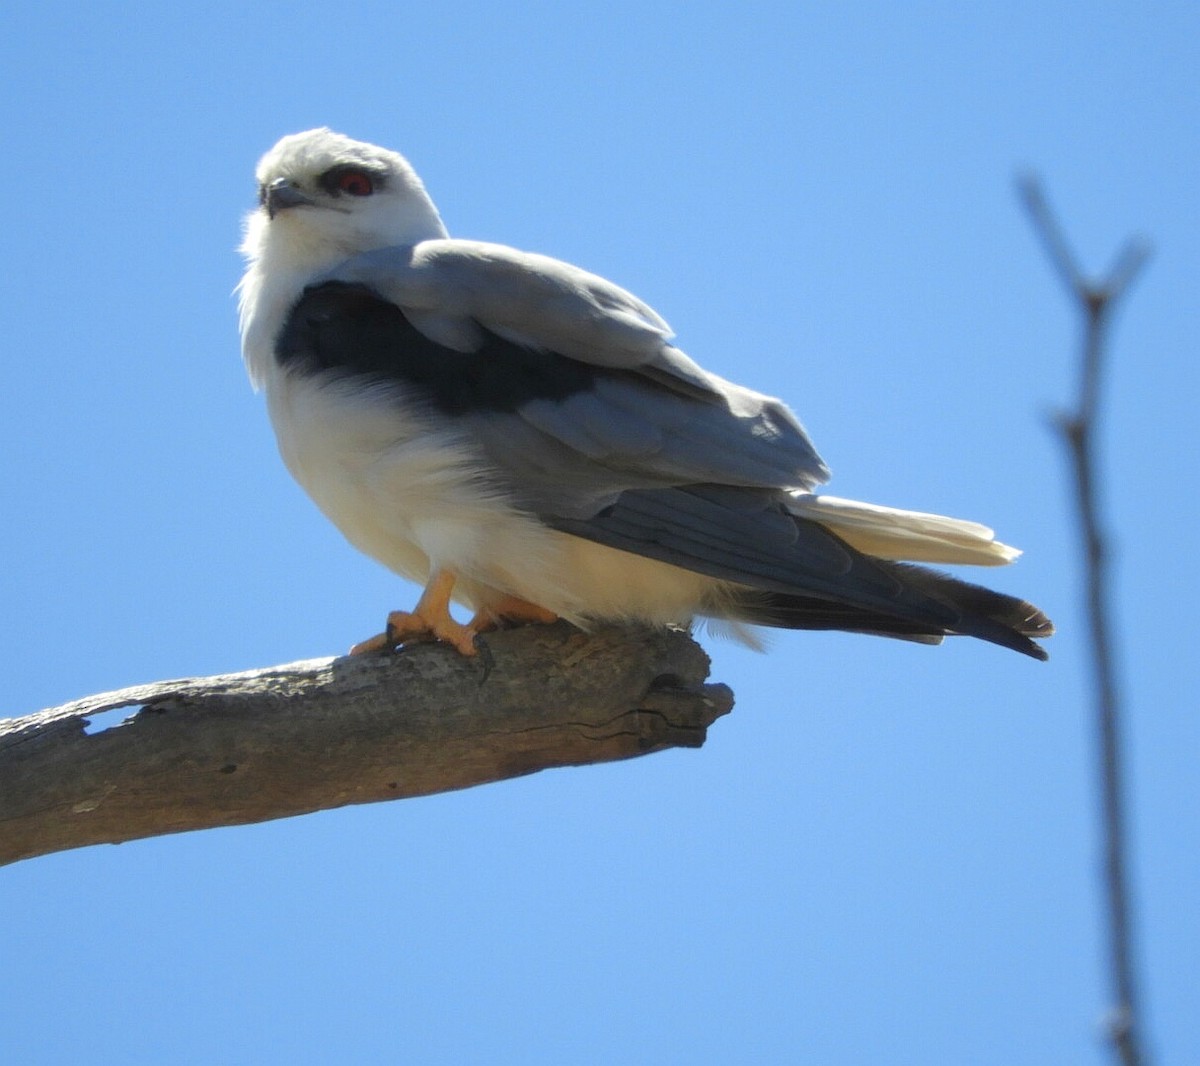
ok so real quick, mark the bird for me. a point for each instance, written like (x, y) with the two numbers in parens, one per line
(522, 437)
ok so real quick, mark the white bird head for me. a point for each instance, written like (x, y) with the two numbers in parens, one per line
(323, 197)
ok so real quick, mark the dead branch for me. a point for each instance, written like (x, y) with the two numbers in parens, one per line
(1097, 300)
(308, 736)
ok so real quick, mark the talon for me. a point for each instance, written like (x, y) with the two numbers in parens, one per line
(379, 642)
(486, 659)
(430, 618)
(404, 627)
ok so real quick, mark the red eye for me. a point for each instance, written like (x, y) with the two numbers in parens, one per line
(355, 182)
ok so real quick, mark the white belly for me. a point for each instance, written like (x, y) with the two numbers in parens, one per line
(417, 499)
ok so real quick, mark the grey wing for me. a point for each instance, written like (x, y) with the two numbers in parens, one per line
(736, 534)
(648, 417)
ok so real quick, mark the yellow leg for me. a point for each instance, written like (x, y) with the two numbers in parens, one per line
(430, 618)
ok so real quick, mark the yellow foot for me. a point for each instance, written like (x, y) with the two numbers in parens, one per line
(404, 627)
(430, 619)
(511, 609)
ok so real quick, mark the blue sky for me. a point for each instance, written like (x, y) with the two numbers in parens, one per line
(887, 853)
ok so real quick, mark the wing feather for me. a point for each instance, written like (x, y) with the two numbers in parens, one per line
(650, 411)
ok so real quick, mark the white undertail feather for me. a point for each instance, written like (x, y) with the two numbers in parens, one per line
(910, 536)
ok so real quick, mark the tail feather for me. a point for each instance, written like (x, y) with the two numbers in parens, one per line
(890, 533)
(800, 561)
(930, 606)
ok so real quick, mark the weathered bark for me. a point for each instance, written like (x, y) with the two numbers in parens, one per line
(309, 736)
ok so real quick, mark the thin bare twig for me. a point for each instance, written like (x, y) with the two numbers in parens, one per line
(1097, 299)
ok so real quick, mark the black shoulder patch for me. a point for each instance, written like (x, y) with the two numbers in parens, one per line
(348, 329)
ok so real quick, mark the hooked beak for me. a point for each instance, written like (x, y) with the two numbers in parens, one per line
(282, 194)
